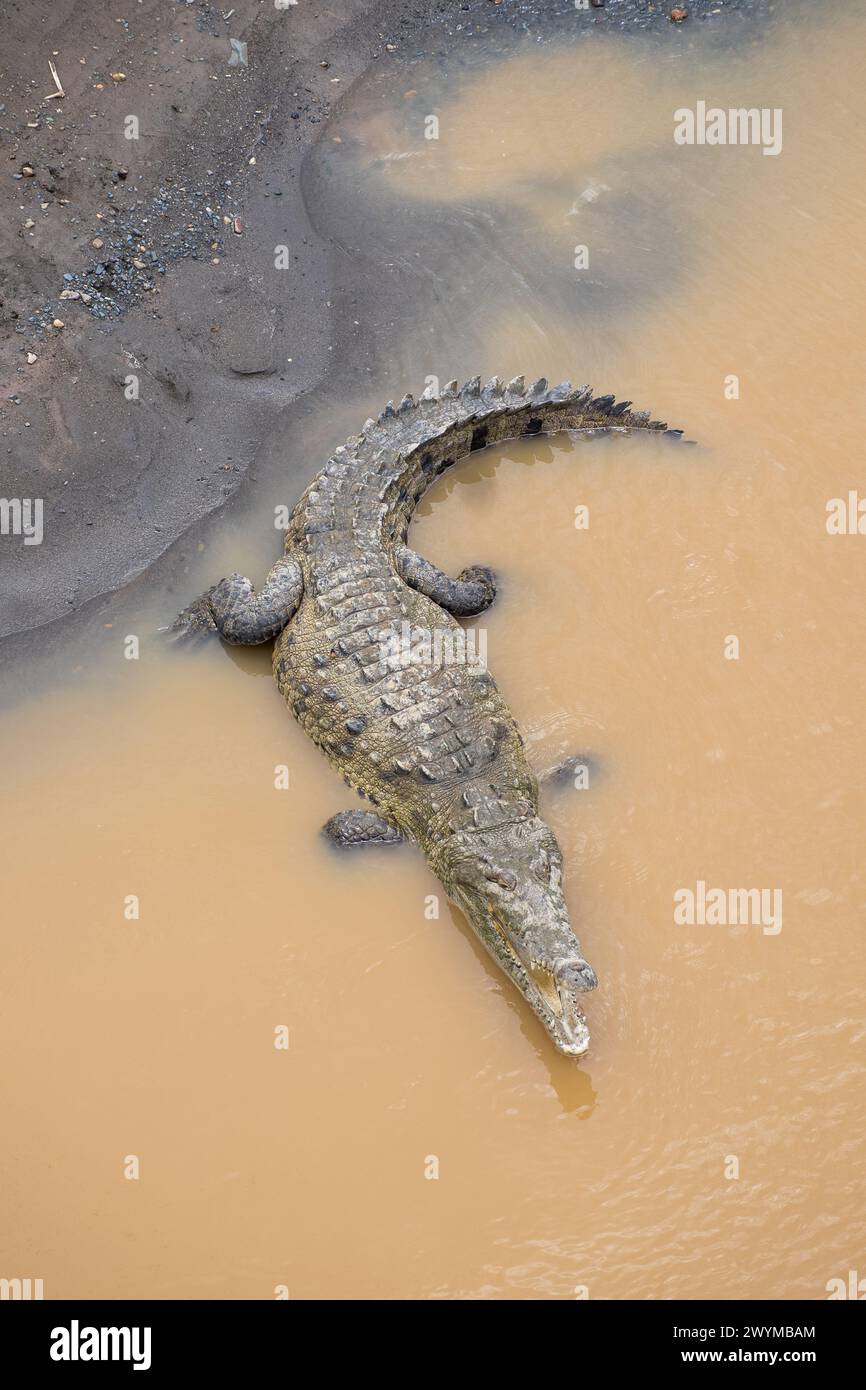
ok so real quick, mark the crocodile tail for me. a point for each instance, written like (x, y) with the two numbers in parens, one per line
(373, 483)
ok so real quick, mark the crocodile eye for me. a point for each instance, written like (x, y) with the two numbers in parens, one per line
(504, 877)
(541, 866)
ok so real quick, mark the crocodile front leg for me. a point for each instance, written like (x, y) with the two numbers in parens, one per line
(351, 828)
(471, 592)
(241, 615)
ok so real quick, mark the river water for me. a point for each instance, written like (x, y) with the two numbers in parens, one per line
(700, 640)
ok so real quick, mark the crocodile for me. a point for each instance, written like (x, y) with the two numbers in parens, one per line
(429, 742)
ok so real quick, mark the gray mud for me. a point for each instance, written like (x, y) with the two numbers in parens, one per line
(245, 376)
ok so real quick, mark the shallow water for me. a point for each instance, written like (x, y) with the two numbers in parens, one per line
(154, 1037)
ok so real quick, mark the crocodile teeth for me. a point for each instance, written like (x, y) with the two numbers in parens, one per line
(472, 387)
(538, 387)
(516, 386)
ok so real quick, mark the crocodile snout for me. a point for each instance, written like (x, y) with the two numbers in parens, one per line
(575, 975)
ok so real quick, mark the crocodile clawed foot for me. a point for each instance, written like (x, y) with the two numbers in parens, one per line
(351, 829)
(480, 580)
(194, 625)
(471, 592)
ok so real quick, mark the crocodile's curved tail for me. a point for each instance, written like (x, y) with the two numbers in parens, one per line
(436, 749)
(369, 488)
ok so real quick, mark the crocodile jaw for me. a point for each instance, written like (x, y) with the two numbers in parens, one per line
(552, 1000)
(574, 1026)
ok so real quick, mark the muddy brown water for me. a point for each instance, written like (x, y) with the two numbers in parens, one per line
(717, 1049)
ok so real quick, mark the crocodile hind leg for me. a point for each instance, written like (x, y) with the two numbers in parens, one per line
(350, 828)
(471, 592)
(238, 613)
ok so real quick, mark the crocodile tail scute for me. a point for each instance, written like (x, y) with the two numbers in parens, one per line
(376, 478)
